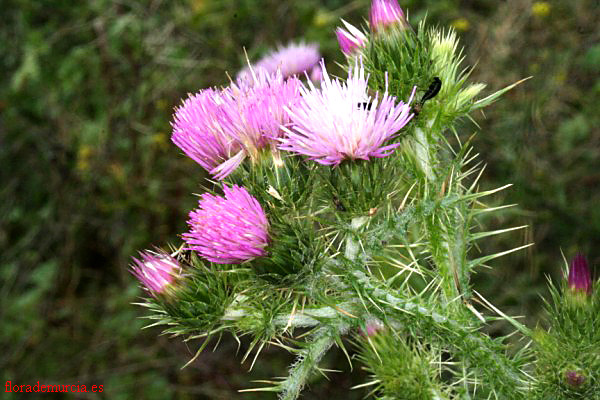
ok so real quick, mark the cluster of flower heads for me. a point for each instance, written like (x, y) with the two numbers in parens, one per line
(268, 107)
(220, 128)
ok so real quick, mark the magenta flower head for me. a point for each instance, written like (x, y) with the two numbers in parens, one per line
(259, 111)
(293, 59)
(386, 13)
(156, 271)
(574, 378)
(351, 39)
(340, 121)
(198, 131)
(220, 128)
(228, 230)
(580, 277)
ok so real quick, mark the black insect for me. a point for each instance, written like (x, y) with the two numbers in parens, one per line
(365, 105)
(338, 204)
(431, 92)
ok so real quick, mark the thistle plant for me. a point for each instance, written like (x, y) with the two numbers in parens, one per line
(345, 213)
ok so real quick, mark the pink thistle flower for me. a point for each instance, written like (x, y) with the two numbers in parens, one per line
(329, 124)
(259, 111)
(228, 230)
(155, 270)
(293, 59)
(198, 130)
(219, 129)
(384, 13)
(580, 277)
(350, 39)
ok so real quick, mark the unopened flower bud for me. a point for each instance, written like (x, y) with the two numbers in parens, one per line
(350, 39)
(372, 327)
(580, 277)
(155, 270)
(386, 13)
(574, 379)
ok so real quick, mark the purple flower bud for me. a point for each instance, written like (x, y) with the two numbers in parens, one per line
(574, 378)
(580, 277)
(228, 230)
(155, 270)
(384, 13)
(350, 39)
(372, 327)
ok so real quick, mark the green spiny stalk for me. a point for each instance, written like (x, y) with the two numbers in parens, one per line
(309, 357)
(479, 351)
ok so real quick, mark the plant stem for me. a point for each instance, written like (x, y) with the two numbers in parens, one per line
(446, 239)
(308, 359)
(352, 246)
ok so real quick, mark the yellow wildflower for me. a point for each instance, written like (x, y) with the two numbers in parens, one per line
(461, 24)
(540, 9)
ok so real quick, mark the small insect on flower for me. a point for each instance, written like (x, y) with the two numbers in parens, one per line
(338, 204)
(366, 105)
(432, 91)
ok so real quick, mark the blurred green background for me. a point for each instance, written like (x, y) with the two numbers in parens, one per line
(89, 175)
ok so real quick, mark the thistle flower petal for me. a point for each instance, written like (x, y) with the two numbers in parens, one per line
(316, 74)
(329, 125)
(228, 230)
(580, 277)
(155, 270)
(350, 39)
(385, 13)
(260, 108)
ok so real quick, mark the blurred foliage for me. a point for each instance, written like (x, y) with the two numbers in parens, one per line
(89, 175)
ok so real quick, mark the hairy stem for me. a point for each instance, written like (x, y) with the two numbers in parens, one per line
(308, 359)
(446, 240)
